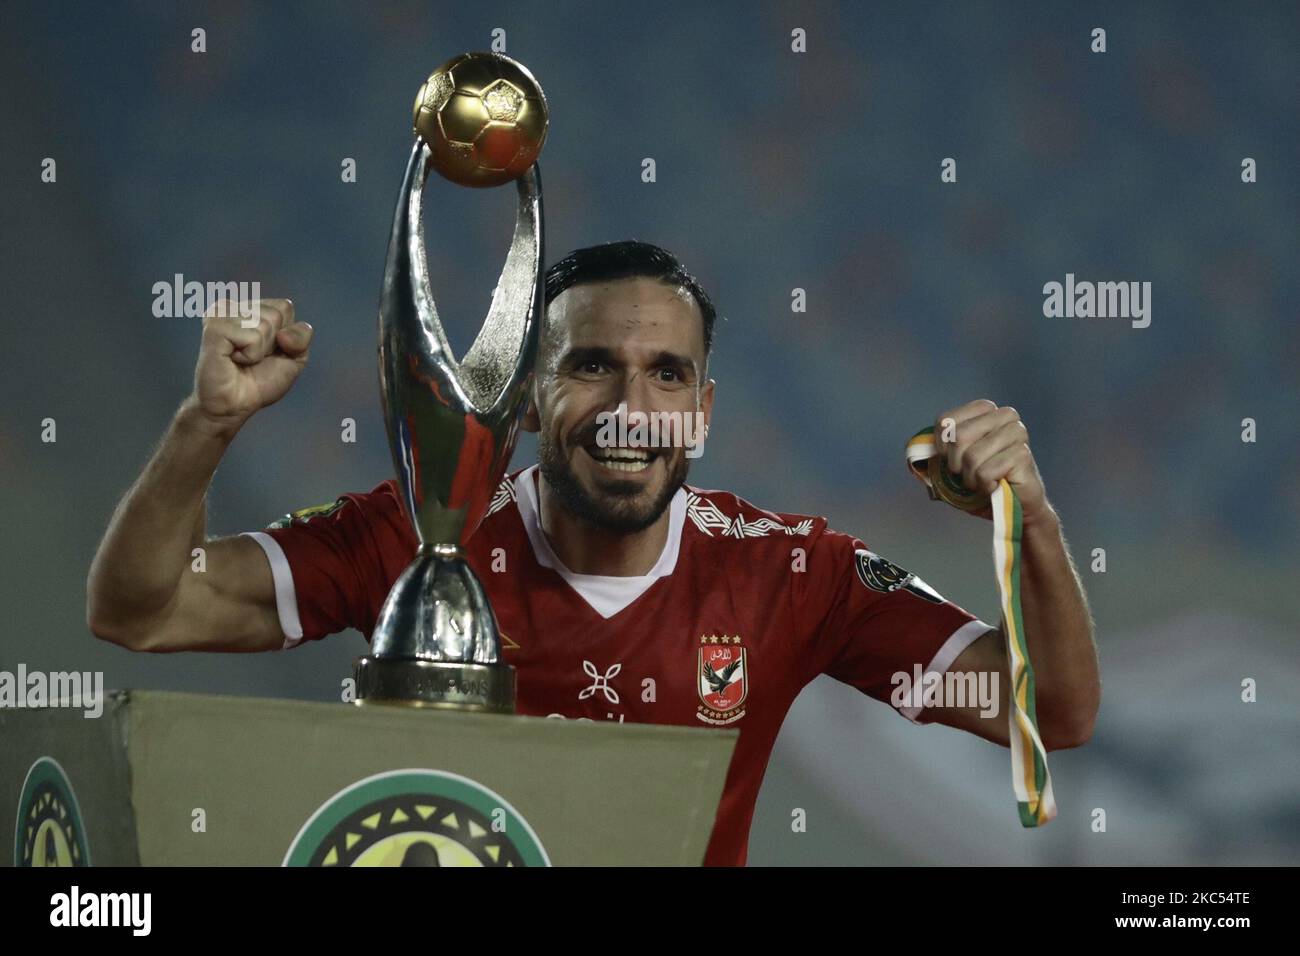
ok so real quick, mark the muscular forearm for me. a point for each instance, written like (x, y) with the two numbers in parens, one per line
(985, 445)
(158, 523)
(1058, 634)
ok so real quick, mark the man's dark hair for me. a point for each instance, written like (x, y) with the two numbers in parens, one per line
(623, 260)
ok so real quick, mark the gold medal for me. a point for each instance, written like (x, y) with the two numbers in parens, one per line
(948, 487)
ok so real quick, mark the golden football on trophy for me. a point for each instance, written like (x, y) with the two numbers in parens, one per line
(483, 117)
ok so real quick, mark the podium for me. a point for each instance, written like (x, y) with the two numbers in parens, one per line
(169, 779)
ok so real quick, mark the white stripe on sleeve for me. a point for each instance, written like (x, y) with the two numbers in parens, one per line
(286, 599)
(957, 642)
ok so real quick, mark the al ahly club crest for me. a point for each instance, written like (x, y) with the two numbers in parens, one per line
(723, 679)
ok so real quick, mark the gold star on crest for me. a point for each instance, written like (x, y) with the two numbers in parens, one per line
(715, 639)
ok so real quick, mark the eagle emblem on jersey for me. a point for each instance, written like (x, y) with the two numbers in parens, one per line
(881, 575)
(723, 679)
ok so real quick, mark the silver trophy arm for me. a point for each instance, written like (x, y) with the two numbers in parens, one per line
(452, 428)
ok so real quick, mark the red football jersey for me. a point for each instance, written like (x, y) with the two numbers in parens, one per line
(743, 608)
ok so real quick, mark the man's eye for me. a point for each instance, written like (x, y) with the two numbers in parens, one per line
(591, 367)
(672, 374)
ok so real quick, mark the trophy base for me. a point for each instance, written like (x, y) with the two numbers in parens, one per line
(445, 685)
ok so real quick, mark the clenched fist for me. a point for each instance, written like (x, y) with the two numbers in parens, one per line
(247, 362)
(984, 444)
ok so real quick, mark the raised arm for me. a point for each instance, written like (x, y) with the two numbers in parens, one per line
(141, 592)
(986, 444)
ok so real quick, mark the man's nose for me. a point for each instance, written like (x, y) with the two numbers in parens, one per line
(635, 396)
(635, 392)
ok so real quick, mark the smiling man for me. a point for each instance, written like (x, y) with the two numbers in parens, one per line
(622, 592)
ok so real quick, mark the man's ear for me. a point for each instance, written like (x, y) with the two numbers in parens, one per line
(706, 400)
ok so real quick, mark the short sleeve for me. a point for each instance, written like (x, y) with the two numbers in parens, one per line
(334, 564)
(876, 620)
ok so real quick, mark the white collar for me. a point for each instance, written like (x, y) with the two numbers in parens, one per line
(605, 593)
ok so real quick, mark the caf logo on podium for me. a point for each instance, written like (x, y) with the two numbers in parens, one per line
(49, 831)
(416, 818)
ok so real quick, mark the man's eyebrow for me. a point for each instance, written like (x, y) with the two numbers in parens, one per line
(673, 358)
(581, 354)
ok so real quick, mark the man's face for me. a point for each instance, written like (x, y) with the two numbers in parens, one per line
(634, 341)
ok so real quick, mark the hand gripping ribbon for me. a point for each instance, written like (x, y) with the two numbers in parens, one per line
(1029, 775)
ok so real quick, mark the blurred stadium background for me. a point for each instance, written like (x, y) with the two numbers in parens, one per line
(775, 171)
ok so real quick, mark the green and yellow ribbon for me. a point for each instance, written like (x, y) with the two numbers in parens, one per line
(1029, 775)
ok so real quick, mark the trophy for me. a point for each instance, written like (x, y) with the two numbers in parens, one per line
(480, 119)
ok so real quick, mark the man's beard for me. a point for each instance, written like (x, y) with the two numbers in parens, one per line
(616, 507)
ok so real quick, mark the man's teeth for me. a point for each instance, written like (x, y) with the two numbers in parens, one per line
(622, 459)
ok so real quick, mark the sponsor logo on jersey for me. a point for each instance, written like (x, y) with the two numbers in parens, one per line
(49, 831)
(882, 575)
(416, 818)
(723, 679)
(600, 682)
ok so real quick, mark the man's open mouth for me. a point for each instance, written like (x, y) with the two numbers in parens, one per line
(622, 459)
